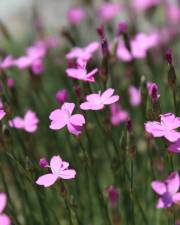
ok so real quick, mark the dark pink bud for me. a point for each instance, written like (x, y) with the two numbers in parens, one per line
(43, 163)
(100, 31)
(77, 90)
(61, 96)
(10, 82)
(153, 91)
(104, 45)
(168, 56)
(129, 126)
(113, 196)
(122, 28)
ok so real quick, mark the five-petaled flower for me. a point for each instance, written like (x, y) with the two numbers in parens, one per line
(59, 170)
(97, 101)
(4, 219)
(63, 117)
(165, 128)
(167, 190)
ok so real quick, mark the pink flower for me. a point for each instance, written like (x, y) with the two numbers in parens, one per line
(134, 95)
(165, 128)
(76, 15)
(59, 170)
(173, 13)
(118, 115)
(63, 117)
(141, 5)
(108, 11)
(10, 82)
(4, 219)
(83, 53)
(2, 112)
(29, 123)
(167, 190)
(175, 147)
(37, 66)
(113, 195)
(153, 91)
(80, 73)
(98, 101)
(61, 96)
(7, 62)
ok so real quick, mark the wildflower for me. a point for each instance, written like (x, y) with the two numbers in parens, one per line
(37, 67)
(4, 219)
(175, 147)
(43, 163)
(63, 117)
(167, 190)
(2, 112)
(7, 62)
(113, 196)
(165, 128)
(80, 73)
(134, 95)
(59, 170)
(83, 53)
(118, 115)
(29, 123)
(108, 11)
(76, 15)
(153, 91)
(97, 101)
(61, 96)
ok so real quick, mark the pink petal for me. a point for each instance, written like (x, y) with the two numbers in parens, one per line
(176, 198)
(74, 129)
(67, 174)
(68, 107)
(77, 120)
(93, 98)
(30, 128)
(111, 100)
(85, 106)
(107, 94)
(64, 165)
(55, 164)
(170, 121)
(17, 122)
(160, 204)
(175, 147)
(74, 53)
(123, 53)
(2, 114)
(59, 119)
(154, 128)
(92, 47)
(158, 187)
(4, 219)
(3, 201)
(172, 135)
(134, 95)
(92, 73)
(173, 183)
(47, 180)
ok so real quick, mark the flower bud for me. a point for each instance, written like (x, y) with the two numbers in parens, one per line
(61, 96)
(43, 163)
(113, 196)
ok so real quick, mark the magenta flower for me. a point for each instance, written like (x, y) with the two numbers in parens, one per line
(61, 96)
(29, 123)
(10, 82)
(37, 66)
(173, 13)
(98, 101)
(83, 53)
(118, 115)
(63, 117)
(7, 62)
(165, 128)
(108, 11)
(4, 219)
(59, 170)
(141, 5)
(113, 196)
(2, 112)
(153, 91)
(175, 147)
(43, 163)
(76, 15)
(167, 190)
(80, 73)
(134, 95)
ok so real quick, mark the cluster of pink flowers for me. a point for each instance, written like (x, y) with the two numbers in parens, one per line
(4, 219)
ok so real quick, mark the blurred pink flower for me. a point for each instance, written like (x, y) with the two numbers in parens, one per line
(10, 82)
(141, 5)
(165, 128)
(118, 115)
(7, 62)
(175, 147)
(113, 196)
(63, 117)
(153, 91)
(108, 11)
(59, 169)
(80, 73)
(61, 96)
(167, 190)
(134, 96)
(29, 123)
(173, 13)
(76, 15)
(37, 66)
(98, 101)
(2, 112)
(83, 53)
(4, 219)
